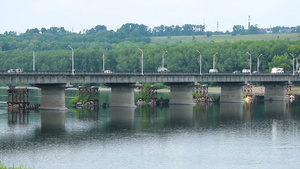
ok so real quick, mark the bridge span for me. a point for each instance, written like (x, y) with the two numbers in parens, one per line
(122, 85)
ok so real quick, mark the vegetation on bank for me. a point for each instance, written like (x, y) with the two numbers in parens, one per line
(120, 49)
(163, 40)
(179, 57)
(2, 166)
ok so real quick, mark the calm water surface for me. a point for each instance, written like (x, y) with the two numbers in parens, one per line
(258, 135)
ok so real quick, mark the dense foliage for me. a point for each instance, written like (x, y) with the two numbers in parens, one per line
(120, 49)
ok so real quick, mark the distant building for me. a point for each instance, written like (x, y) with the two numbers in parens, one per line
(285, 30)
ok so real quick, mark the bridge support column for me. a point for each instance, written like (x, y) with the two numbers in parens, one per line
(231, 92)
(275, 91)
(122, 95)
(181, 93)
(52, 96)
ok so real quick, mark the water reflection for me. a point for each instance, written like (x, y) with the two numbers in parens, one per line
(181, 114)
(53, 121)
(88, 114)
(122, 117)
(231, 110)
(275, 109)
(18, 116)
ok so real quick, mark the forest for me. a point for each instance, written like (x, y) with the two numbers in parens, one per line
(120, 49)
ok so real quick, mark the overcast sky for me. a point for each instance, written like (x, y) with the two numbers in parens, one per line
(20, 15)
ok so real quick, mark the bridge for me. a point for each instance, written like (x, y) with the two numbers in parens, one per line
(122, 85)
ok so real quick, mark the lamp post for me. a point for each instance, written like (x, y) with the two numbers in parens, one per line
(163, 60)
(104, 60)
(200, 61)
(293, 63)
(214, 60)
(258, 62)
(33, 59)
(142, 60)
(250, 62)
(73, 70)
(297, 64)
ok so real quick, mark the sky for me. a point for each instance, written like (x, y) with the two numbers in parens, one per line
(76, 15)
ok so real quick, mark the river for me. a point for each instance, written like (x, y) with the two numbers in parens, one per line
(257, 135)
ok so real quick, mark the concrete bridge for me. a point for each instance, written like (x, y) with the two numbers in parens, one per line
(122, 85)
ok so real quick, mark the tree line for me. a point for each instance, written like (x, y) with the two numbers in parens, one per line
(125, 56)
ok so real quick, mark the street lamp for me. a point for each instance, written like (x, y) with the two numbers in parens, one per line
(297, 64)
(33, 59)
(142, 60)
(258, 62)
(293, 63)
(163, 60)
(214, 60)
(200, 62)
(73, 70)
(104, 60)
(250, 62)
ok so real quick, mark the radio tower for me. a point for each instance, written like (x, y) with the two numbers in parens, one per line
(217, 26)
(248, 22)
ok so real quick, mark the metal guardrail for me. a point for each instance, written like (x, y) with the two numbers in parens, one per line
(147, 73)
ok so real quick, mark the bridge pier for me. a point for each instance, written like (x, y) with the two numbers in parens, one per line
(52, 96)
(231, 92)
(122, 95)
(181, 93)
(275, 91)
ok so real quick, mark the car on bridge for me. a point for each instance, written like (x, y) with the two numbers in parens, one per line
(107, 71)
(246, 71)
(213, 71)
(162, 70)
(236, 72)
(15, 71)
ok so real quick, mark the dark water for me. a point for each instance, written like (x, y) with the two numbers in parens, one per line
(259, 135)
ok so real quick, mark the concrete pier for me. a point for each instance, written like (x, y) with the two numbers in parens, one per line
(122, 95)
(181, 93)
(231, 92)
(52, 96)
(275, 91)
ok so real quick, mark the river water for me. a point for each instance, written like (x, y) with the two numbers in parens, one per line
(257, 135)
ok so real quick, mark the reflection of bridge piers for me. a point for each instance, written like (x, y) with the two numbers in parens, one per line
(231, 110)
(275, 108)
(53, 120)
(182, 114)
(122, 117)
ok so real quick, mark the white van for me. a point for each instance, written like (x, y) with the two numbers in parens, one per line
(213, 71)
(162, 70)
(246, 71)
(277, 70)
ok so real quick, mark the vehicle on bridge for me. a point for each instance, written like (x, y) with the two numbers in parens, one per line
(213, 71)
(108, 71)
(236, 72)
(15, 71)
(277, 70)
(162, 70)
(246, 71)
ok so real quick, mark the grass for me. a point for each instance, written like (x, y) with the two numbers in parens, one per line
(2, 166)
(221, 38)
